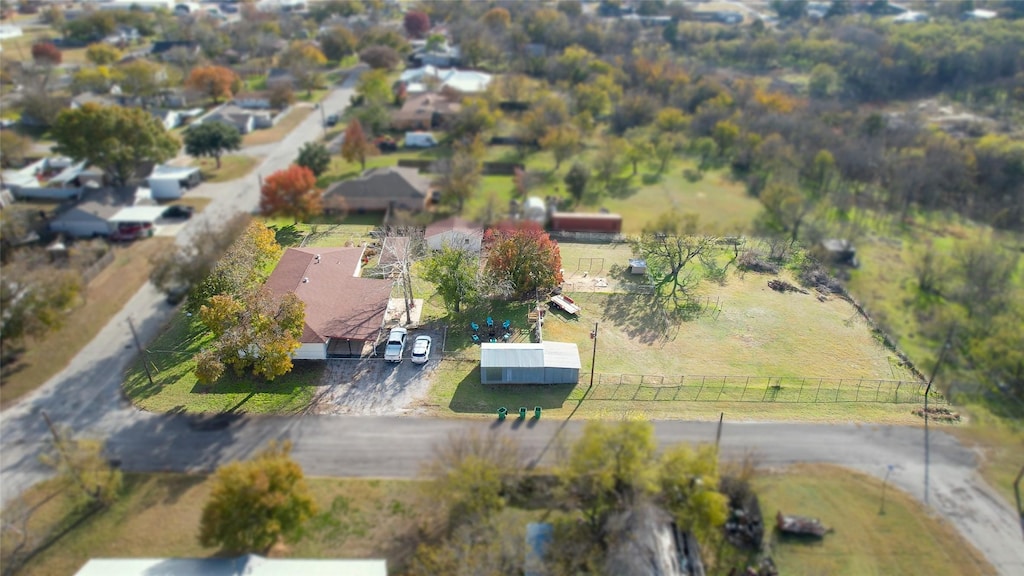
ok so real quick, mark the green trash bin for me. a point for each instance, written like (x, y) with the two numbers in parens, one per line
(536, 412)
(502, 412)
(522, 413)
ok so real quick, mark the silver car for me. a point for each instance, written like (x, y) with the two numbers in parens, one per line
(421, 350)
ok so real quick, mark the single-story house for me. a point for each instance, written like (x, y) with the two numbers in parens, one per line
(464, 81)
(454, 232)
(443, 55)
(250, 565)
(91, 216)
(93, 98)
(243, 121)
(378, 190)
(344, 312)
(170, 182)
(529, 363)
(424, 112)
(252, 100)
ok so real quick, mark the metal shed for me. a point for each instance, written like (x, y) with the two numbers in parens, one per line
(527, 363)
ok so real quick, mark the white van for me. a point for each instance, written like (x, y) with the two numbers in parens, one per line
(420, 140)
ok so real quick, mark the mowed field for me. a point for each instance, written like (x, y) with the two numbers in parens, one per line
(158, 516)
(748, 330)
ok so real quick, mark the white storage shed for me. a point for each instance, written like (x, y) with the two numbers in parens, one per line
(170, 182)
(529, 363)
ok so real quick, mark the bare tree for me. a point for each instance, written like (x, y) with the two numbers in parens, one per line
(401, 247)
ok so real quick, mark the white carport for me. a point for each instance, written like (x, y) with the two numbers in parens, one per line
(137, 215)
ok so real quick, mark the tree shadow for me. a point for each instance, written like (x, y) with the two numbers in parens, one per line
(622, 188)
(472, 397)
(641, 316)
(287, 235)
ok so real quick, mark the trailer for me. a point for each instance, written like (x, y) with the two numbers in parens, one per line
(565, 303)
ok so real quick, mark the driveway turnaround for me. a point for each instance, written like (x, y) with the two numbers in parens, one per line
(86, 397)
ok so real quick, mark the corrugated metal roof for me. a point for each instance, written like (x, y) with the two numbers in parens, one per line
(527, 355)
(561, 355)
(517, 355)
(250, 565)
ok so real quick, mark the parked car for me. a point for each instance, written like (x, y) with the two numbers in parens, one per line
(130, 232)
(177, 294)
(332, 120)
(420, 140)
(178, 211)
(396, 344)
(421, 350)
(386, 144)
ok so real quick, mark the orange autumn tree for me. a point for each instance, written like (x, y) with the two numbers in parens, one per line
(217, 82)
(522, 254)
(291, 192)
(357, 147)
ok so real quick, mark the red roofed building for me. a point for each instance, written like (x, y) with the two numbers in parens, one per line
(344, 312)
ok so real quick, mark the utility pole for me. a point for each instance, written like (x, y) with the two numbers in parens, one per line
(718, 434)
(138, 346)
(323, 120)
(927, 391)
(593, 357)
(1016, 493)
(881, 510)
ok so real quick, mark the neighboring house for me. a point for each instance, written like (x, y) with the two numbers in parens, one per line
(443, 55)
(454, 232)
(8, 31)
(418, 80)
(143, 5)
(249, 565)
(169, 118)
(170, 182)
(424, 112)
(123, 36)
(379, 190)
(529, 363)
(344, 313)
(93, 98)
(252, 100)
(163, 47)
(90, 216)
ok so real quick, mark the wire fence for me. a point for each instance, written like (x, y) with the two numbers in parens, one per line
(787, 389)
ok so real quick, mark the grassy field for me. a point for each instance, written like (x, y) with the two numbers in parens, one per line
(751, 335)
(232, 167)
(903, 540)
(158, 516)
(326, 231)
(103, 298)
(175, 387)
(284, 126)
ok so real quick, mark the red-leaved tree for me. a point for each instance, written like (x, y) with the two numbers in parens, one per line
(417, 24)
(46, 53)
(522, 254)
(217, 82)
(291, 192)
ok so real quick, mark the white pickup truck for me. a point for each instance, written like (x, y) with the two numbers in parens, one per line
(396, 345)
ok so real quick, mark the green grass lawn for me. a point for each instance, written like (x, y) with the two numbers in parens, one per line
(757, 333)
(906, 539)
(326, 231)
(175, 387)
(293, 118)
(158, 516)
(232, 167)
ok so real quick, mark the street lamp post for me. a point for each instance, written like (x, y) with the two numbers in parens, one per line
(593, 357)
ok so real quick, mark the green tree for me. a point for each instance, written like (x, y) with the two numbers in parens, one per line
(98, 79)
(212, 139)
(455, 275)
(113, 138)
(459, 176)
(374, 88)
(563, 141)
(35, 298)
(609, 465)
(688, 483)
(315, 157)
(823, 81)
(102, 54)
(14, 148)
(83, 468)
(256, 330)
(338, 43)
(256, 504)
(665, 147)
(140, 78)
(789, 9)
(637, 149)
(476, 116)
(357, 147)
(243, 267)
(576, 180)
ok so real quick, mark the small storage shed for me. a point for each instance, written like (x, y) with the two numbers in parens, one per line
(170, 182)
(529, 363)
(637, 266)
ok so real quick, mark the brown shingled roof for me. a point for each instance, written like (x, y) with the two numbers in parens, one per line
(339, 304)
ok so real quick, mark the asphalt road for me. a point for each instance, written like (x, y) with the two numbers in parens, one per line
(86, 397)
